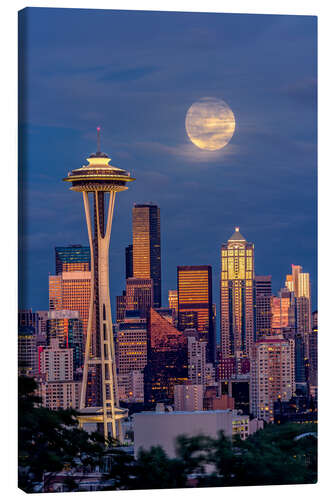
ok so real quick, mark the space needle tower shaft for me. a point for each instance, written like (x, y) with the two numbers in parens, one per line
(99, 182)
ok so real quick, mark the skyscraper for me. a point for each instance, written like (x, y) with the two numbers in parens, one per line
(263, 294)
(99, 182)
(195, 307)
(173, 304)
(57, 387)
(313, 355)
(129, 261)
(27, 351)
(272, 375)
(167, 363)
(299, 283)
(66, 326)
(237, 296)
(147, 246)
(139, 295)
(72, 258)
(70, 291)
(131, 356)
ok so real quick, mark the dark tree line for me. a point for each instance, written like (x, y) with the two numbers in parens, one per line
(50, 441)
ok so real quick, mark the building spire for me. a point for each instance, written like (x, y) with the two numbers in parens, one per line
(98, 140)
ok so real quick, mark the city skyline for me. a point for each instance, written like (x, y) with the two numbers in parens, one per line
(264, 180)
(181, 315)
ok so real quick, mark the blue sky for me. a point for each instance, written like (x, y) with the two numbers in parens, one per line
(135, 74)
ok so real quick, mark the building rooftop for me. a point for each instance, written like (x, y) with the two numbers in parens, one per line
(237, 236)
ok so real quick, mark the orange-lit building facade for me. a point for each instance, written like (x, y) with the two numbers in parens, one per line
(272, 375)
(167, 363)
(131, 345)
(237, 296)
(195, 308)
(71, 291)
(139, 295)
(147, 246)
(173, 303)
(280, 308)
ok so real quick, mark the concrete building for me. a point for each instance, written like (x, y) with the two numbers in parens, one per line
(272, 375)
(57, 394)
(188, 397)
(131, 387)
(56, 362)
(163, 428)
(196, 360)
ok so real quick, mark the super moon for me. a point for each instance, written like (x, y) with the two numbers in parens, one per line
(210, 123)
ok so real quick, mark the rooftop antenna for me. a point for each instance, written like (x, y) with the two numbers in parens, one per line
(98, 140)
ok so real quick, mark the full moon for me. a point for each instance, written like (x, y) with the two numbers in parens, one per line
(210, 123)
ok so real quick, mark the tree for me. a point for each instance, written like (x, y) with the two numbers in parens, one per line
(50, 440)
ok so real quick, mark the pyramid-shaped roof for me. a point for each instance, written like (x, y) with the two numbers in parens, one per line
(237, 236)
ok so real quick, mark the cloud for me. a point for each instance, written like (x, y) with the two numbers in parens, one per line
(303, 91)
(128, 74)
(190, 152)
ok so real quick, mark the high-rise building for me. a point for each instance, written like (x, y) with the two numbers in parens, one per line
(195, 306)
(313, 354)
(147, 246)
(237, 296)
(166, 360)
(299, 283)
(132, 343)
(99, 182)
(70, 291)
(139, 295)
(57, 387)
(173, 299)
(26, 317)
(72, 258)
(272, 375)
(196, 360)
(27, 351)
(280, 310)
(263, 294)
(57, 362)
(42, 317)
(67, 327)
(188, 397)
(131, 355)
(60, 395)
(129, 261)
(120, 306)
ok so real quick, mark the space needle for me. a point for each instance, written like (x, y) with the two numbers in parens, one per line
(99, 182)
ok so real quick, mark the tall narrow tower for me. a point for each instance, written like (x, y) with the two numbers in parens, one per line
(99, 182)
(147, 246)
(237, 300)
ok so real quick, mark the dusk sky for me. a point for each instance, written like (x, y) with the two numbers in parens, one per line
(135, 74)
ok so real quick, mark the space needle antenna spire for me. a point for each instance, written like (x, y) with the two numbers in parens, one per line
(98, 139)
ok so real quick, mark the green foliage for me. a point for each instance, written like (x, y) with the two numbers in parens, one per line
(50, 440)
